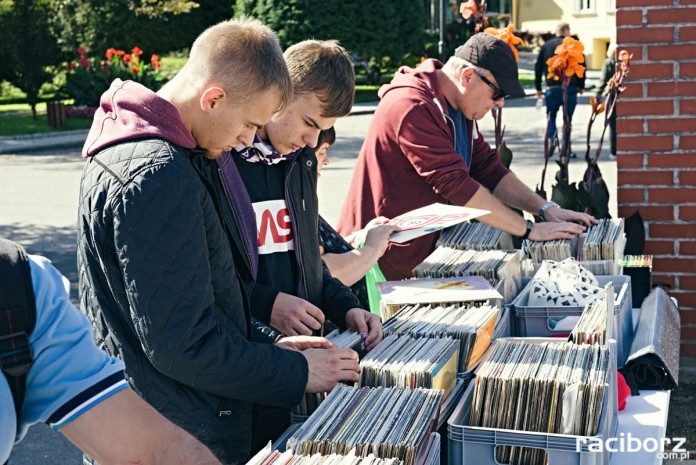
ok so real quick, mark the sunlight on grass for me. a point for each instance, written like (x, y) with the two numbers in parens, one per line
(40, 107)
(16, 125)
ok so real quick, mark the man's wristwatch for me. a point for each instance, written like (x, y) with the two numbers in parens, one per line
(546, 206)
(530, 225)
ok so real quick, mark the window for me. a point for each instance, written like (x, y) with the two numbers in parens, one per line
(584, 6)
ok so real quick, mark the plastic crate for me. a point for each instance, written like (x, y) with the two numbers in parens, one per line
(475, 445)
(532, 321)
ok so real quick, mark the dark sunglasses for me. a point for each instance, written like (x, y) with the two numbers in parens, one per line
(498, 93)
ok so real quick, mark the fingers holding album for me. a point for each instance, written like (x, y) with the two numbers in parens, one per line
(328, 367)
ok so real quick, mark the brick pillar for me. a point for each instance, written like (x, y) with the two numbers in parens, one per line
(657, 141)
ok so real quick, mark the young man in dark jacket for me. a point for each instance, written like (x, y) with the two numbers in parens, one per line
(157, 277)
(271, 212)
(423, 146)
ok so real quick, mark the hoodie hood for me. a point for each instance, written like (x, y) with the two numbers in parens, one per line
(423, 78)
(129, 111)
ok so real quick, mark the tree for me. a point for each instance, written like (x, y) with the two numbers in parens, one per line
(159, 26)
(30, 47)
(388, 30)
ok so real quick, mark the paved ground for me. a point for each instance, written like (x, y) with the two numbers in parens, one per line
(39, 191)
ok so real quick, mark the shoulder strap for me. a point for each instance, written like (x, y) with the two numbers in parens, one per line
(17, 318)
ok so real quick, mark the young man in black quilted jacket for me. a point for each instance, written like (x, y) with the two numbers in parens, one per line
(157, 276)
(271, 210)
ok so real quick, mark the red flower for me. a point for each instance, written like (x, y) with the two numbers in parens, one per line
(468, 9)
(126, 58)
(110, 53)
(154, 60)
(84, 62)
(136, 52)
(120, 53)
(134, 69)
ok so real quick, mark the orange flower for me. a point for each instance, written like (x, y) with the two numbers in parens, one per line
(126, 58)
(154, 60)
(136, 52)
(568, 60)
(110, 53)
(625, 59)
(468, 9)
(507, 35)
(597, 107)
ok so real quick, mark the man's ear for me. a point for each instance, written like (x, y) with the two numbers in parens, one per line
(466, 75)
(212, 97)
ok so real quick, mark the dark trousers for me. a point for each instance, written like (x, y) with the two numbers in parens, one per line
(554, 103)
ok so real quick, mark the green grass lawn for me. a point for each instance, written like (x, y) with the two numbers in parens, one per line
(15, 125)
(13, 107)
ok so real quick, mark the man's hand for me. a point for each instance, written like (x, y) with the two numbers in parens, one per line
(559, 215)
(294, 316)
(328, 367)
(367, 324)
(304, 342)
(551, 231)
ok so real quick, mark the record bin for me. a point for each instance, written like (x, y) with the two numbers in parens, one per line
(475, 445)
(529, 321)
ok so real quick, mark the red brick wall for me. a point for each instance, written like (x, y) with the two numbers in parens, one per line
(657, 141)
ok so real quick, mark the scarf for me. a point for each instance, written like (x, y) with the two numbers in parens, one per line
(262, 152)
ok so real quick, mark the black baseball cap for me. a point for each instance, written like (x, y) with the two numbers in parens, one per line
(486, 51)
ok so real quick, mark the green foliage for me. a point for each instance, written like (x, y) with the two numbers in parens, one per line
(158, 25)
(387, 31)
(90, 78)
(29, 46)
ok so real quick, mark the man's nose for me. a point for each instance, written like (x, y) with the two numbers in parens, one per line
(247, 136)
(311, 138)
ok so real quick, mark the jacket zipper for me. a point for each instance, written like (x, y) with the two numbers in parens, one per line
(293, 217)
(454, 130)
(247, 253)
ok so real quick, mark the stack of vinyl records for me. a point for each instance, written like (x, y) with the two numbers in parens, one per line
(604, 241)
(555, 250)
(268, 456)
(311, 401)
(409, 363)
(474, 236)
(562, 384)
(491, 264)
(592, 326)
(385, 422)
(471, 325)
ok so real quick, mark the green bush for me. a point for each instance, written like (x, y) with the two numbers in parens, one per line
(89, 78)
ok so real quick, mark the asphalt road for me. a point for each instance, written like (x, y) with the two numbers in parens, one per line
(39, 192)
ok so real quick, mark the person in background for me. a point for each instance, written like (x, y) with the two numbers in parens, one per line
(608, 70)
(81, 391)
(423, 146)
(350, 258)
(157, 276)
(553, 97)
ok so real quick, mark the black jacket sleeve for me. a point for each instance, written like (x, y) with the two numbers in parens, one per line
(185, 302)
(338, 299)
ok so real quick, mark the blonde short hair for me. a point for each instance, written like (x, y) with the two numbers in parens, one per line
(245, 56)
(324, 68)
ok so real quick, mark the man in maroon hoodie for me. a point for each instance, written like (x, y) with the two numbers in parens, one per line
(423, 146)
